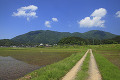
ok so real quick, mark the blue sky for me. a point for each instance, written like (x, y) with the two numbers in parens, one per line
(58, 15)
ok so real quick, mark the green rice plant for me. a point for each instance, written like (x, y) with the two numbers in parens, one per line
(83, 73)
(108, 70)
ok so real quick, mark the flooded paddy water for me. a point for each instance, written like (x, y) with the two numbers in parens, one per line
(17, 63)
(11, 68)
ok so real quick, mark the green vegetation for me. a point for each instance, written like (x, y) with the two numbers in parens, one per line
(52, 37)
(80, 41)
(72, 41)
(110, 52)
(99, 35)
(113, 55)
(108, 70)
(83, 73)
(34, 38)
(57, 70)
(115, 40)
(107, 58)
(103, 54)
(38, 56)
(8, 42)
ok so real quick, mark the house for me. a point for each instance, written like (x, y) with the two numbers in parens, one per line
(41, 44)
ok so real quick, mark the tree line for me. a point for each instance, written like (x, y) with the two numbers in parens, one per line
(63, 41)
(81, 41)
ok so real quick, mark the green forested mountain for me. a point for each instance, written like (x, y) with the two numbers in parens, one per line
(96, 34)
(41, 36)
(51, 37)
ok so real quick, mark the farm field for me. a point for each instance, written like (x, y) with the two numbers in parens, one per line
(16, 62)
(55, 62)
(60, 40)
(111, 52)
(108, 59)
(57, 70)
(107, 69)
(112, 55)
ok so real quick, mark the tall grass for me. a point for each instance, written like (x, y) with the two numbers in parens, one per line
(108, 70)
(83, 73)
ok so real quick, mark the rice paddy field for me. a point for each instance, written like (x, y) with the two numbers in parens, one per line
(16, 62)
(53, 63)
(110, 52)
(108, 61)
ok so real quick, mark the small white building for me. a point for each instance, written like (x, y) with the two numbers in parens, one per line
(47, 45)
(55, 44)
(41, 44)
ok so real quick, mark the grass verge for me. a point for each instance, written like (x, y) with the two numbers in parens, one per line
(55, 71)
(108, 70)
(83, 73)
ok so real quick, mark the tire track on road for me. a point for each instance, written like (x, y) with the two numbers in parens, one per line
(94, 73)
(72, 73)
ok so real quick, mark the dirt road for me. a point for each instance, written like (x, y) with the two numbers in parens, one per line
(72, 73)
(94, 73)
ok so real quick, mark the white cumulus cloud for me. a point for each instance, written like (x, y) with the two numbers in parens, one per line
(95, 19)
(27, 11)
(47, 24)
(55, 19)
(99, 12)
(118, 14)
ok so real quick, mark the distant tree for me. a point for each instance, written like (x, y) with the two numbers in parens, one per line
(8, 42)
(72, 41)
(116, 39)
(109, 42)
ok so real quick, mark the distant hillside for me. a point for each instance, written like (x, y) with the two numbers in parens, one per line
(96, 34)
(51, 37)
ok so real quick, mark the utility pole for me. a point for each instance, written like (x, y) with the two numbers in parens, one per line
(93, 41)
(100, 42)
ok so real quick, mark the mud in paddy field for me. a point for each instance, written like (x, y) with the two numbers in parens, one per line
(112, 55)
(17, 63)
(11, 68)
